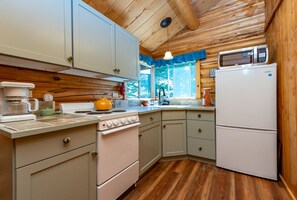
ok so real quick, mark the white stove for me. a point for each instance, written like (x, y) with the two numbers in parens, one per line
(117, 146)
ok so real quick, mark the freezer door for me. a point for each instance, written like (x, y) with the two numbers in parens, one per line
(247, 97)
(247, 151)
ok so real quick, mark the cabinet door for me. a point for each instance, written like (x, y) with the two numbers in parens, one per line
(37, 30)
(68, 176)
(94, 38)
(127, 54)
(149, 146)
(174, 138)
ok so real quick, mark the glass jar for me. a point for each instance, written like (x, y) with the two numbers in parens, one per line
(15, 107)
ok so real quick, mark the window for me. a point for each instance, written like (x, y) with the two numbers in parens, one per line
(178, 80)
(141, 88)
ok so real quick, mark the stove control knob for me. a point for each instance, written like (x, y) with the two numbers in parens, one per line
(123, 120)
(115, 122)
(109, 124)
(129, 119)
(134, 119)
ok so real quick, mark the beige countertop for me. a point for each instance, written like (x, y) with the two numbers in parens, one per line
(148, 109)
(19, 129)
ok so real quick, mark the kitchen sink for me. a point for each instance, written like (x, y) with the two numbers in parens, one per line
(172, 106)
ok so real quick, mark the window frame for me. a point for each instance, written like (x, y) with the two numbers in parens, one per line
(153, 87)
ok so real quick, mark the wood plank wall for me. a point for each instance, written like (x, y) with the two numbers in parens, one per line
(64, 88)
(282, 43)
(211, 62)
(231, 24)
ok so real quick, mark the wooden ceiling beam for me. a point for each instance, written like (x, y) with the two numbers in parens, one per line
(188, 13)
(145, 51)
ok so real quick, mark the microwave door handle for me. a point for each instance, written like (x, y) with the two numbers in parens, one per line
(255, 56)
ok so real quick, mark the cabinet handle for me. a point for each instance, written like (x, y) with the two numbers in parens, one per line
(199, 130)
(140, 135)
(199, 116)
(200, 149)
(94, 153)
(70, 58)
(151, 118)
(118, 70)
(164, 126)
(66, 140)
(115, 70)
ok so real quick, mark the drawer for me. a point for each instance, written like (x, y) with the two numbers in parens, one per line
(201, 115)
(201, 148)
(201, 129)
(35, 148)
(149, 118)
(173, 114)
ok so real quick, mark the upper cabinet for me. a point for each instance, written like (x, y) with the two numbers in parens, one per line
(37, 30)
(66, 33)
(93, 39)
(127, 54)
(102, 46)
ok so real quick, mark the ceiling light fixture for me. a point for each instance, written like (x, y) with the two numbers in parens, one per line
(164, 24)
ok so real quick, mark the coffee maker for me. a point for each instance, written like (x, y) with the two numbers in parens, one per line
(14, 102)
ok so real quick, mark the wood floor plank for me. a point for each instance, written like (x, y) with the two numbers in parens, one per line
(192, 180)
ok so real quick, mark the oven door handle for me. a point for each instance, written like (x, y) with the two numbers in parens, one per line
(118, 129)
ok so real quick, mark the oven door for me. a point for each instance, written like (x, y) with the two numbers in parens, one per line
(117, 150)
(236, 58)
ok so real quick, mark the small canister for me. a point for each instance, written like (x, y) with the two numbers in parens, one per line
(206, 100)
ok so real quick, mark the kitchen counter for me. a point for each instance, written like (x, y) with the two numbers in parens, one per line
(46, 124)
(20, 129)
(147, 109)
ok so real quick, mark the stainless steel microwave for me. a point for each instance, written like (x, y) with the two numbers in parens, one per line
(243, 57)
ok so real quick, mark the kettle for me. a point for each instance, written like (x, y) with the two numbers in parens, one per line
(103, 104)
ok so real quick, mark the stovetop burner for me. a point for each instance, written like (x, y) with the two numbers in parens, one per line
(82, 111)
(99, 112)
(88, 112)
(119, 110)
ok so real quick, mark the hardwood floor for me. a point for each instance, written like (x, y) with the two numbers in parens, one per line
(188, 179)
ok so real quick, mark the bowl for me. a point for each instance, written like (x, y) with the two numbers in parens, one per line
(145, 103)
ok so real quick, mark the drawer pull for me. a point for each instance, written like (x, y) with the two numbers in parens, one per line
(164, 126)
(199, 130)
(140, 135)
(200, 149)
(199, 116)
(94, 153)
(152, 118)
(66, 140)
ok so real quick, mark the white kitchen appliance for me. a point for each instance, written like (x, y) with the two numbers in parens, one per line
(246, 124)
(14, 102)
(117, 146)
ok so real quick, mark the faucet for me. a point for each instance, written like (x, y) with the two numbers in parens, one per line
(162, 101)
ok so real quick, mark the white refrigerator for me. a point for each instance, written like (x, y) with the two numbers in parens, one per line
(246, 124)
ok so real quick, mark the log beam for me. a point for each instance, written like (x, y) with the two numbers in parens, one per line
(145, 51)
(188, 13)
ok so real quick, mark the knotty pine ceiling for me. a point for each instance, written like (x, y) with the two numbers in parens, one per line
(142, 17)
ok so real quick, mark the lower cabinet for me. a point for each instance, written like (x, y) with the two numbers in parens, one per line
(149, 146)
(70, 176)
(59, 165)
(150, 140)
(201, 134)
(174, 138)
